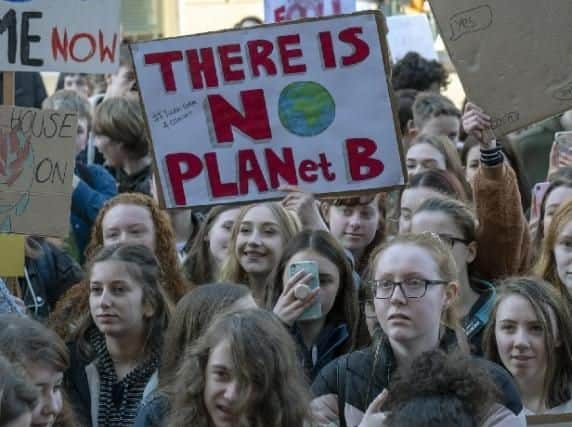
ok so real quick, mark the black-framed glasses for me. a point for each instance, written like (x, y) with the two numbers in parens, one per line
(451, 240)
(411, 288)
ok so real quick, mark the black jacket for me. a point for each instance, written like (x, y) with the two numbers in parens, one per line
(356, 381)
(50, 275)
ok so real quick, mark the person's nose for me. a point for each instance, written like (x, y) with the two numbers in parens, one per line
(254, 238)
(521, 339)
(52, 404)
(105, 299)
(398, 295)
(231, 391)
(355, 220)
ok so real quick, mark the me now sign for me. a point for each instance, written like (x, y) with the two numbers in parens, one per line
(59, 35)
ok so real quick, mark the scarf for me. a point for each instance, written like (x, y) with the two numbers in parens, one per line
(119, 400)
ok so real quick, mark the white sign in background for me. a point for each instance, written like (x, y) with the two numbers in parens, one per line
(287, 10)
(179, 120)
(60, 35)
(410, 33)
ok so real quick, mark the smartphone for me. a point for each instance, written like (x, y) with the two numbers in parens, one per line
(538, 192)
(309, 267)
(564, 141)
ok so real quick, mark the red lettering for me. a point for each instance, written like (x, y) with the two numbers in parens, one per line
(336, 7)
(105, 50)
(218, 188)
(284, 168)
(252, 172)
(361, 48)
(203, 65)
(307, 166)
(92, 46)
(279, 14)
(59, 47)
(254, 122)
(165, 61)
(287, 54)
(259, 52)
(327, 48)
(175, 164)
(325, 166)
(360, 151)
(227, 61)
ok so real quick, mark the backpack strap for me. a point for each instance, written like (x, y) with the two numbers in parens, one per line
(341, 379)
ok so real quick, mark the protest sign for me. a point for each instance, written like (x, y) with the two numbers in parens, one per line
(235, 115)
(410, 33)
(287, 10)
(37, 150)
(13, 255)
(512, 58)
(549, 420)
(60, 35)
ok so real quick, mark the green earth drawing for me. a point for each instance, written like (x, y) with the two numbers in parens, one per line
(306, 108)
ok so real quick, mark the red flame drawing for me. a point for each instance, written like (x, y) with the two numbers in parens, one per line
(14, 150)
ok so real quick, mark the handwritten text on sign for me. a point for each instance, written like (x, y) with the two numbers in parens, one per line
(235, 115)
(287, 10)
(60, 35)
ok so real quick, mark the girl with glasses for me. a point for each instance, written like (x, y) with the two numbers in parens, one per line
(456, 225)
(415, 281)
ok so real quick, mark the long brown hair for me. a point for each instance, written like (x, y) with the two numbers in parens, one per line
(345, 308)
(144, 268)
(17, 395)
(75, 302)
(25, 341)
(272, 388)
(197, 263)
(554, 315)
(546, 264)
(193, 314)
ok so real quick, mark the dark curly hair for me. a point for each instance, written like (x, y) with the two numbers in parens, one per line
(415, 72)
(450, 390)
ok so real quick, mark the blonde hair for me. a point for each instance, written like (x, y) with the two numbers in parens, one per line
(546, 265)
(447, 268)
(232, 271)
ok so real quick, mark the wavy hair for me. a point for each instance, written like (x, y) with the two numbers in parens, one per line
(143, 267)
(553, 313)
(75, 302)
(272, 388)
(345, 308)
(192, 316)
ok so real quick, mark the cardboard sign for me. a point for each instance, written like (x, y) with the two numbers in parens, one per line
(410, 33)
(549, 420)
(235, 115)
(13, 256)
(287, 10)
(60, 35)
(512, 58)
(37, 149)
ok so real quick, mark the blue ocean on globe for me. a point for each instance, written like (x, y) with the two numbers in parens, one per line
(306, 108)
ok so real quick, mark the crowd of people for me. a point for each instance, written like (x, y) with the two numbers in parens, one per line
(445, 303)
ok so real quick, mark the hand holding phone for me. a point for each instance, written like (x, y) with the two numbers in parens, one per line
(313, 283)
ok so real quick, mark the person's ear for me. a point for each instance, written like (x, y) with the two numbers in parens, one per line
(472, 251)
(148, 310)
(412, 131)
(325, 211)
(451, 293)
